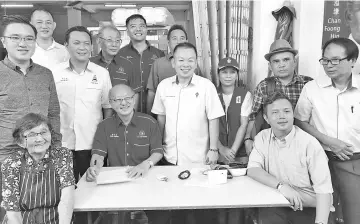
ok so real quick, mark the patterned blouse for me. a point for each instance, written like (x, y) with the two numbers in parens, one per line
(34, 188)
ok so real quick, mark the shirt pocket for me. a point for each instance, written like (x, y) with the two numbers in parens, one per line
(298, 171)
(141, 150)
(119, 78)
(92, 94)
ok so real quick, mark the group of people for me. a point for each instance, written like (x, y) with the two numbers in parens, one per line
(65, 114)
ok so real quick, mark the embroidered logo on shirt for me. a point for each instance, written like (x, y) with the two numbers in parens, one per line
(64, 79)
(129, 57)
(228, 61)
(141, 134)
(238, 99)
(154, 57)
(120, 70)
(95, 80)
(114, 135)
(197, 94)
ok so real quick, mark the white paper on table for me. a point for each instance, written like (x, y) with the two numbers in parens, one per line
(113, 176)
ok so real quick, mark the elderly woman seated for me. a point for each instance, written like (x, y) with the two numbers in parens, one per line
(38, 180)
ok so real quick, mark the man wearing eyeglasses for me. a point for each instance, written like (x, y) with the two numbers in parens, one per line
(25, 86)
(329, 109)
(128, 138)
(121, 70)
(282, 61)
(48, 52)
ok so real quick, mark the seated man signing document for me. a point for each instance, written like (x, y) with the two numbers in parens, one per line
(128, 138)
(290, 160)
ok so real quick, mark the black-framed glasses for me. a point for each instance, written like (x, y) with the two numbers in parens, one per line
(120, 100)
(110, 41)
(43, 134)
(17, 39)
(336, 61)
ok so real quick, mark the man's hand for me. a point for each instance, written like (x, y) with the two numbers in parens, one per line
(211, 157)
(227, 153)
(92, 173)
(342, 149)
(137, 171)
(249, 146)
(292, 196)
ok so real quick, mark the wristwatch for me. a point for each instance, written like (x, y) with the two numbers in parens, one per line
(214, 150)
(247, 139)
(279, 186)
(319, 223)
(151, 164)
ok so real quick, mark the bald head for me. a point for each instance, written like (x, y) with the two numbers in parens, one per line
(121, 89)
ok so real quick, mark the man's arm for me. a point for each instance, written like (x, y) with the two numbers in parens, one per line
(54, 112)
(323, 207)
(161, 122)
(240, 134)
(150, 100)
(213, 128)
(14, 217)
(136, 101)
(66, 205)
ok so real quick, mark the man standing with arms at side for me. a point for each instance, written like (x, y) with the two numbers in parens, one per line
(140, 53)
(352, 15)
(48, 53)
(329, 109)
(83, 89)
(121, 70)
(25, 86)
(282, 62)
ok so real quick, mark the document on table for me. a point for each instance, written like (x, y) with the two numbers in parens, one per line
(113, 176)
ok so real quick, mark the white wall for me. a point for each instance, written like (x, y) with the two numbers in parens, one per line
(307, 36)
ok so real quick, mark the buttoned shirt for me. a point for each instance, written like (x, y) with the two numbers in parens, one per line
(331, 111)
(121, 71)
(82, 97)
(51, 57)
(128, 144)
(356, 68)
(188, 110)
(297, 160)
(162, 69)
(142, 63)
(21, 94)
(292, 90)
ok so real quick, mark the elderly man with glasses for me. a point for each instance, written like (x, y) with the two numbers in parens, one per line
(121, 70)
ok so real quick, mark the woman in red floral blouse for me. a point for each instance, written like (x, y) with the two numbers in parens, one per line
(38, 180)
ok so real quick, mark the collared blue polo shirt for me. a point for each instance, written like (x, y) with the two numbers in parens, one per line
(127, 145)
(121, 71)
(142, 64)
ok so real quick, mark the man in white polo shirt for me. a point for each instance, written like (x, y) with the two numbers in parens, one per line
(83, 89)
(48, 53)
(188, 108)
(329, 109)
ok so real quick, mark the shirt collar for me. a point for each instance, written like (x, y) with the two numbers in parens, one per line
(89, 66)
(324, 81)
(119, 121)
(30, 161)
(54, 44)
(194, 80)
(14, 67)
(288, 138)
(101, 58)
(295, 78)
(131, 45)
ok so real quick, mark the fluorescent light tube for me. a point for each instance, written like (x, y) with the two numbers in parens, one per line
(17, 6)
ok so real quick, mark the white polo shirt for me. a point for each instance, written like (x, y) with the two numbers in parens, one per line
(81, 98)
(188, 110)
(50, 57)
(333, 112)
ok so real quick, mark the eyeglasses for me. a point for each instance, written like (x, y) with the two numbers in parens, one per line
(34, 134)
(324, 61)
(110, 41)
(120, 100)
(16, 39)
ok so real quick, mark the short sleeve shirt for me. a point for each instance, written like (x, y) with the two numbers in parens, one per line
(128, 145)
(50, 57)
(246, 106)
(82, 97)
(188, 110)
(142, 64)
(331, 111)
(121, 71)
(298, 160)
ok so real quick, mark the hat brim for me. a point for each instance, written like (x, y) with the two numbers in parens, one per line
(269, 55)
(222, 67)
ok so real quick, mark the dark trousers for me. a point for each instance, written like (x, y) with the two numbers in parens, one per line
(347, 175)
(287, 216)
(81, 162)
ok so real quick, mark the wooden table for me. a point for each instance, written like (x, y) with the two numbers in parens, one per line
(148, 193)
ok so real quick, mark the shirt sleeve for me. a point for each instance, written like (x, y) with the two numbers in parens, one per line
(107, 85)
(214, 107)
(318, 169)
(158, 106)
(155, 139)
(246, 107)
(65, 167)
(54, 112)
(303, 109)
(135, 82)
(153, 79)
(257, 157)
(10, 170)
(258, 100)
(100, 146)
